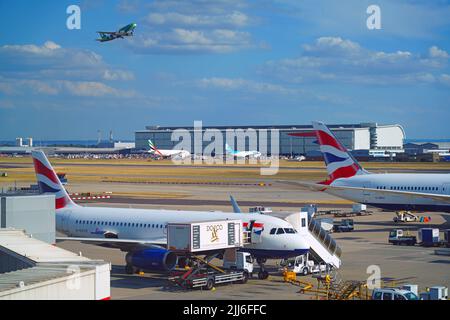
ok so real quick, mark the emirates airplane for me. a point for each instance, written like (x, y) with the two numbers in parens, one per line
(143, 234)
(182, 154)
(392, 191)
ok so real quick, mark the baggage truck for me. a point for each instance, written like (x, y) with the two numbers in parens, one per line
(429, 237)
(397, 237)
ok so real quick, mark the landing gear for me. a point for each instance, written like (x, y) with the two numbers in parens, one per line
(262, 274)
(129, 269)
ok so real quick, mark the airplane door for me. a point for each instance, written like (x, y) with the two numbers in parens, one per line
(367, 195)
(65, 222)
(446, 188)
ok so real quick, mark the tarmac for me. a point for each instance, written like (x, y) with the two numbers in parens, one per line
(365, 247)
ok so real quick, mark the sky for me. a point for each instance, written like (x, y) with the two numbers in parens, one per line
(224, 62)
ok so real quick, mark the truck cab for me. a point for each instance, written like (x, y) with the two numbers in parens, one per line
(244, 261)
(397, 237)
(303, 265)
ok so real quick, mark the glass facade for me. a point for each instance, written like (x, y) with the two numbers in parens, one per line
(292, 140)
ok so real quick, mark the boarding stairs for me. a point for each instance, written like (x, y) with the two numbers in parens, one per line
(323, 248)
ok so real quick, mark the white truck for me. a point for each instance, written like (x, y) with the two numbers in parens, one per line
(200, 243)
(405, 216)
(303, 265)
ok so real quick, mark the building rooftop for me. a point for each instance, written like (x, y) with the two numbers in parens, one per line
(35, 250)
(287, 127)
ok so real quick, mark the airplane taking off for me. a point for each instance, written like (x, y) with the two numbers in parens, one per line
(143, 234)
(392, 191)
(242, 154)
(127, 31)
(183, 154)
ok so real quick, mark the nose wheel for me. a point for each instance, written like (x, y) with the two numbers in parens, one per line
(262, 274)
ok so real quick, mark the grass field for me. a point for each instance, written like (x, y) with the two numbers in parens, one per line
(142, 171)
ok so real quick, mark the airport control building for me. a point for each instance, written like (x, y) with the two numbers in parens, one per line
(293, 139)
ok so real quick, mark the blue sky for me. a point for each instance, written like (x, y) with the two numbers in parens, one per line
(225, 62)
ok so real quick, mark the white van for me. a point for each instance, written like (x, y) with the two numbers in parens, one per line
(393, 294)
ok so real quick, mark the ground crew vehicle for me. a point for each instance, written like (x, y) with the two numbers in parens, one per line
(405, 216)
(303, 265)
(393, 294)
(397, 237)
(345, 225)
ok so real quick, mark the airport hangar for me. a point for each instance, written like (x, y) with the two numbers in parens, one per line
(293, 139)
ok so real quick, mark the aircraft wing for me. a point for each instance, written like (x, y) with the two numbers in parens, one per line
(322, 187)
(106, 32)
(123, 244)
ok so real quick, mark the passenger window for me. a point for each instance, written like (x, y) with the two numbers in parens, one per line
(387, 296)
(273, 231)
(399, 297)
(280, 231)
(377, 296)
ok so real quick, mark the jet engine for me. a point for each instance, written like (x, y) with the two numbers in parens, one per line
(152, 259)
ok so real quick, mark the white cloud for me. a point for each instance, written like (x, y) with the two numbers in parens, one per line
(244, 85)
(435, 52)
(180, 40)
(198, 26)
(174, 19)
(333, 59)
(50, 69)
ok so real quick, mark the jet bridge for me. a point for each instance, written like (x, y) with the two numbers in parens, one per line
(323, 247)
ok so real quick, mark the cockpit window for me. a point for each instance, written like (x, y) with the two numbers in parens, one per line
(289, 230)
(273, 231)
(280, 231)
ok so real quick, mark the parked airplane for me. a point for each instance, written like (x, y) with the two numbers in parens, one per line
(242, 154)
(403, 191)
(127, 31)
(183, 154)
(142, 233)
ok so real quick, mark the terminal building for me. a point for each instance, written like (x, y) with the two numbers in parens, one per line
(293, 140)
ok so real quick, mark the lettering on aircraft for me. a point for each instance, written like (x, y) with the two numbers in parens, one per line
(74, 20)
(374, 20)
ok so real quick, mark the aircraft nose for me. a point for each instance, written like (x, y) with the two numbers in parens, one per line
(300, 243)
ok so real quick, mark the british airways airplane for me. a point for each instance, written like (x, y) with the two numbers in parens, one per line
(142, 233)
(403, 191)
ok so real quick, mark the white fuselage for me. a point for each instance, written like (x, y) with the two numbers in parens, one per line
(246, 154)
(414, 183)
(148, 225)
(172, 153)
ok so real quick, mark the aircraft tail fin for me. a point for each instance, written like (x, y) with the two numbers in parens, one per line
(48, 180)
(153, 148)
(340, 162)
(229, 149)
(235, 205)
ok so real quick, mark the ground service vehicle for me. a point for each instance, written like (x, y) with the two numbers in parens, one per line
(397, 237)
(303, 265)
(393, 294)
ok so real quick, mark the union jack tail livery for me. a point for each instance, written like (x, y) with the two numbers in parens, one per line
(48, 181)
(340, 163)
